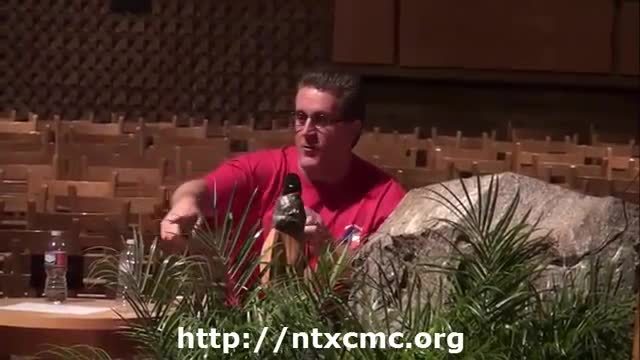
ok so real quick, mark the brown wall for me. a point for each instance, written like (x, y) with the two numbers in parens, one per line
(477, 107)
(466, 64)
(477, 65)
(544, 35)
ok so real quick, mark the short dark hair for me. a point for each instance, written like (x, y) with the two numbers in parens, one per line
(344, 86)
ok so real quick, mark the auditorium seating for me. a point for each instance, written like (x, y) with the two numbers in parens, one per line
(94, 180)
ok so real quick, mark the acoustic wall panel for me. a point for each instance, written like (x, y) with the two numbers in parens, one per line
(66, 57)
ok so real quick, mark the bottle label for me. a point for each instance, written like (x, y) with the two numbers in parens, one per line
(55, 258)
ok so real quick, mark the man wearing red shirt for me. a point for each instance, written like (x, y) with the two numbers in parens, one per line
(340, 191)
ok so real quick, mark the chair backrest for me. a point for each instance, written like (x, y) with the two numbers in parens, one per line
(180, 135)
(46, 190)
(608, 138)
(13, 126)
(601, 186)
(399, 158)
(411, 178)
(460, 141)
(129, 181)
(22, 172)
(241, 131)
(30, 141)
(548, 146)
(466, 167)
(559, 173)
(95, 229)
(14, 184)
(41, 156)
(600, 152)
(85, 127)
(517, 134)
(191, 159)
(270, 139)
(389, 139)
(528, 159)
(73, 203)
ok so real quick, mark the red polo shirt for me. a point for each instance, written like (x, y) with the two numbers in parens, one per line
(365, 198)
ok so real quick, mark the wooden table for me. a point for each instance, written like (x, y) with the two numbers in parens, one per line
(28, 332)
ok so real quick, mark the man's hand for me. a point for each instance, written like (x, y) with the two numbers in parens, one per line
(181, 219)
(316, 233)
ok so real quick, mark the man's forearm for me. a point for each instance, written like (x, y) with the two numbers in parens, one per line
(194, 189)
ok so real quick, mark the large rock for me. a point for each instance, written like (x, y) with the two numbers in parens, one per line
(581, 226)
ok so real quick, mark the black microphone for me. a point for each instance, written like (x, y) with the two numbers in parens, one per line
(289, 215)
(291, 184)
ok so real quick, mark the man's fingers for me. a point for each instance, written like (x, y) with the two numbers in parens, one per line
(310, 229)
(169, 230)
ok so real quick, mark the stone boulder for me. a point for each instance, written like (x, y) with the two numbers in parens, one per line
(580, 227)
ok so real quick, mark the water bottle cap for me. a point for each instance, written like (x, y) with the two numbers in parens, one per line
(56, 233)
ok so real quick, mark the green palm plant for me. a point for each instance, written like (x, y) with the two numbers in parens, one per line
(488, 290)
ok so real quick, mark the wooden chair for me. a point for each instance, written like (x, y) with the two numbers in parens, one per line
(459, 141)
(622, 167)
(524, 162)
(411, 178)
(271, 139)
(25, 141)
(45, 190)
(87, 127)
(9, 115)
(41, 156)
(389, 149)
(597, 153)
(133, 207)
(393, 139)
(95, 229)
(460, 168)
(23, 127)
(621, 143)
(628, 190)
(518, 134)
(548, 146)
(247, 138)
(192, 160)
(98, 145)
(133, 179)
(392, 159)
(239, 131)
(180, 135)
(566, 174)
(438, 158)
(16, 180)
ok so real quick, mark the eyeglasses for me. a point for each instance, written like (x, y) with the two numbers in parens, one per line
(319, 120)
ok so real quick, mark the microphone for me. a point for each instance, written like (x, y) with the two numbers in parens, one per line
(291, 184)
(289, 215)
(284, 246)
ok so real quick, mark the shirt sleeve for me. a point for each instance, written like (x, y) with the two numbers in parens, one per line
(232, 186)
(390, 200)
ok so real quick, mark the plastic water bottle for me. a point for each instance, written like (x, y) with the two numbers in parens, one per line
(55, 264)
(126, 266)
